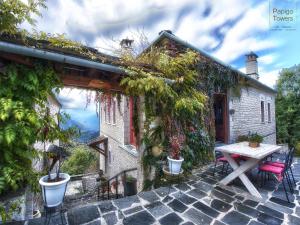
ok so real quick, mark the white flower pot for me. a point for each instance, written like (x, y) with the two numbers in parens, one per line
(175, 165)
(54, 192)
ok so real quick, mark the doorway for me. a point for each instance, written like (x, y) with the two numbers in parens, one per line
(220, 110)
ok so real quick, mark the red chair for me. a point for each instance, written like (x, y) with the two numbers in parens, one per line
(221, 159)
(279, 170)
(282, 164)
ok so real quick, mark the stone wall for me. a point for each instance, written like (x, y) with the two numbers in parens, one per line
(120, 155)
(245, 114)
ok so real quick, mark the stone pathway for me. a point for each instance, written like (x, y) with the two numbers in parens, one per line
(198, 200)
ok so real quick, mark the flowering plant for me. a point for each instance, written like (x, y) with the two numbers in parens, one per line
(176, 143)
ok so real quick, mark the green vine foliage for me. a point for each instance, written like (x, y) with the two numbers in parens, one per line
(24, 120)
(7, 210)
(177, 88)
(15, 12)
(169, 86)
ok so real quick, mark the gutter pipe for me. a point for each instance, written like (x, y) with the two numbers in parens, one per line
(57, 57)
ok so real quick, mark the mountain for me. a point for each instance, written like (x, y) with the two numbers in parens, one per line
(88, 124)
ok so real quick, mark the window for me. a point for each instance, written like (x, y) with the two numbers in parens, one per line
(131, 132)
(109, 157)
(109, 109)
(105, 113)
(101, 114)
(262, 111)
(269, 112)
(114, 112)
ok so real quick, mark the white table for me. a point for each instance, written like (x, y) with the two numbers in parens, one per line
(255, 155)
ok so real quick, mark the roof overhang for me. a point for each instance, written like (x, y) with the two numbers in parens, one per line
(74, 71)
(252, 81)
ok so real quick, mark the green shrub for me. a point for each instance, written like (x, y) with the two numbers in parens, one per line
(254, 137)
(242, 138)
(82, 160)
(297, 149)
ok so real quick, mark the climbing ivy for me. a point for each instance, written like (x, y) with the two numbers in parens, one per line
(177, 89)
(24, 120)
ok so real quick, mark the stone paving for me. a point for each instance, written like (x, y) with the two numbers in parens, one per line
(198, 200)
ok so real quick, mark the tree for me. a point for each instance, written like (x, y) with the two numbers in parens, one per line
(288, 106)
(15, 12)
(24, 113)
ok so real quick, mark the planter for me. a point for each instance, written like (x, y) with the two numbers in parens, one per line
(254, 144)
(54, 192)
(175, 165)
(130, 187)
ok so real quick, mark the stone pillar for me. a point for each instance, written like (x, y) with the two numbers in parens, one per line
(140, 171)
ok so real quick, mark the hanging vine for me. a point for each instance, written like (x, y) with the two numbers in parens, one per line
(25, 120)
(177, 88)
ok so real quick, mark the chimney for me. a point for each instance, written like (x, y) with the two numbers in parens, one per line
(126, 43)
(251, 65)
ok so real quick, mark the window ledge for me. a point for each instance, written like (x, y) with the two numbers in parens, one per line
(130, 149)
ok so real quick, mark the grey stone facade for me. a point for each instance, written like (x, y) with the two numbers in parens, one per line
(245, 114)
(121, 155)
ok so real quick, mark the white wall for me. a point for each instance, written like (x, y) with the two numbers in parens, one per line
(247, 115)
(121, 156)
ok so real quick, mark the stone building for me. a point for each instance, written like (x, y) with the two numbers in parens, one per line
(116, 124)
(252, 111)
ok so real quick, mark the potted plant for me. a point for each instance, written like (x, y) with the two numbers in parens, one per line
(54, 184)
(130, 187)
(255, 140)
(175, 159)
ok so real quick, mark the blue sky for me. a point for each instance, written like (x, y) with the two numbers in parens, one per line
(74, 102)
(227, 29)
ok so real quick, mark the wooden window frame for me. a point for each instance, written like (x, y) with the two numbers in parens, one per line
(105, 112)
(132, 138)
(113, 112)
(108, 100)
(262, 112)
(269, 112)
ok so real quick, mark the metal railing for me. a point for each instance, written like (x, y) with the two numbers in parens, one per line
(105, 188)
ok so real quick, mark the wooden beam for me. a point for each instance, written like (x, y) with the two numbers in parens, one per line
(75, 76)
(86, 82)
(16, 58)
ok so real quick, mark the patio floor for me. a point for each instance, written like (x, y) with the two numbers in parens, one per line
(198, 200)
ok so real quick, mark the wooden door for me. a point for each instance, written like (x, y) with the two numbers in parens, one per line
(220, 110)
(132, 134)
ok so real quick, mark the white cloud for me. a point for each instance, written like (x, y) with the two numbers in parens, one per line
(268, 59)
(93, 22)
(243, 37)
(197, 29)
(242, 69)
(75, 98)
(269, 77)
